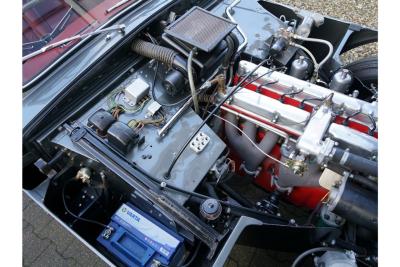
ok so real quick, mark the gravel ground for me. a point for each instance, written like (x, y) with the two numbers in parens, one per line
(46, 243)
(364, 12)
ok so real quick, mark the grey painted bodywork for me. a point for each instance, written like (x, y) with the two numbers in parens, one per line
(243, 222)
(247, 14)
(191, 167)
(48, 90)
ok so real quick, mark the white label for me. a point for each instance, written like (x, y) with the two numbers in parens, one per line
(155, 236)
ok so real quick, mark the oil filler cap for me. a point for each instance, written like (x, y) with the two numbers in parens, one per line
(210, 209)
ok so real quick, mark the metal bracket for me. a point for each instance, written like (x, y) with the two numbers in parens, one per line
(77, 134)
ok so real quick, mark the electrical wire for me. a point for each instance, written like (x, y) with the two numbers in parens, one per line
(208, 103)
(371, 90)
(364, 262)
(317, 209)
(193, 256)
(219, 86)
(262, 75)
(313, 250)
(372, 130)
(153, 95)
(155, 121)
(76, 216)
(291, 94)
(261, 85)
(113, 103)
(302, 103)
(216, 108)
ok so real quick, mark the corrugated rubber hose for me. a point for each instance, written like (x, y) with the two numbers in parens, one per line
(162, 54)
(151, 50)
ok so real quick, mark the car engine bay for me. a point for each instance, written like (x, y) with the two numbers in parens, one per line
(232, 123)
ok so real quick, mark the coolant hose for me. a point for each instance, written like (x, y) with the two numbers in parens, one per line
(368, 183)
(355, 162)
(229, 53)
(236, 196)
(211, 190)
(251, 156)
(355, 204)
(160, 53)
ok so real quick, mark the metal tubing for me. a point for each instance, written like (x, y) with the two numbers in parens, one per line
(258, 123)
(163, 131)
(228, 12)
(191, 82)
(180, 49)
(321, 41)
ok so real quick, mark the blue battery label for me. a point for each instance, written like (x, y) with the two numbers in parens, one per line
(150, 233)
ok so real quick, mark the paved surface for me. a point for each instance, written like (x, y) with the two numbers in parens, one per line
(46, 243)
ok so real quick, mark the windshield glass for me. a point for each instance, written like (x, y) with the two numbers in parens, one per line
(49, 21)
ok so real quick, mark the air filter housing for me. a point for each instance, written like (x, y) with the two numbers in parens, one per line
(200, 28)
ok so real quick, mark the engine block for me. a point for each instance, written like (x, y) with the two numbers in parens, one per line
(314, 119)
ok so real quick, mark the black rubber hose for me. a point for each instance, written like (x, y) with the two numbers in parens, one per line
(355, 162)
(231, 50)
(232, 193)
(368, 183)
(211, 190)
(160, 53)
(194, 255)
(358, 205)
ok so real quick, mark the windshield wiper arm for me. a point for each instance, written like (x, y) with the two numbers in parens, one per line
(117, 5)
(119, 27)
